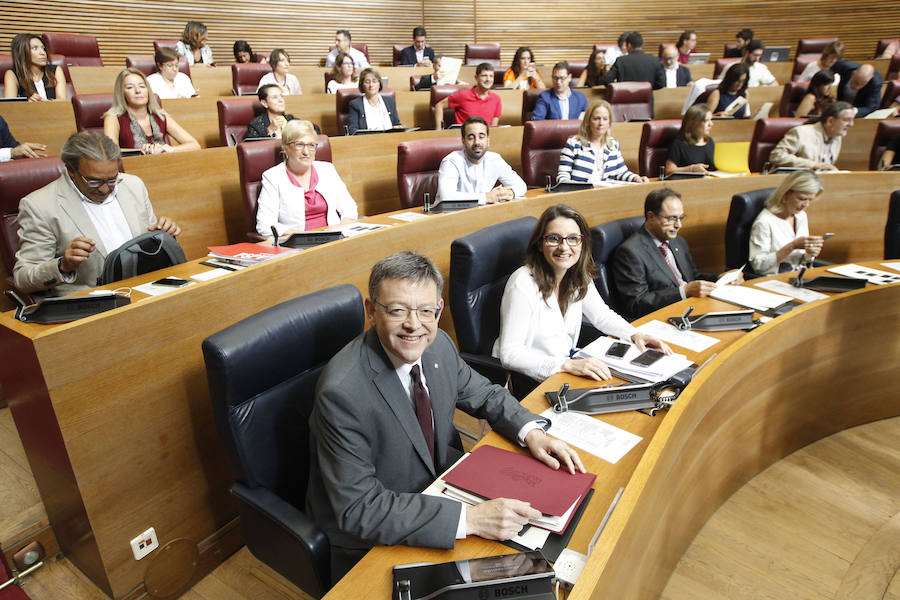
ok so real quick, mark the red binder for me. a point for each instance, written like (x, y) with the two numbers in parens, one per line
(496, 473)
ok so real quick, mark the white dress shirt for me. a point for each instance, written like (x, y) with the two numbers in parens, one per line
(671, 76)
(457, 177)
(535, 337)
(183, 88)
(108, 219)
(359, 59)
(770, 233)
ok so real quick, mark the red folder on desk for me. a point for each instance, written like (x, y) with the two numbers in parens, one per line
(495, 473)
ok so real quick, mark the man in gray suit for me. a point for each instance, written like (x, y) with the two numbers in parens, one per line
(382, 427)
(653, 267)
(67, 227)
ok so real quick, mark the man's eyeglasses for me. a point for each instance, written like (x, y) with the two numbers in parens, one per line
(554, 239)
(672, 219)
(425, 314)
(98, 183)
(304, 145)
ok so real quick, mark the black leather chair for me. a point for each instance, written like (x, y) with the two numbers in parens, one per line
(892, 229)
(262, 374)
(744, 208)
(606, 237)
(480, 264)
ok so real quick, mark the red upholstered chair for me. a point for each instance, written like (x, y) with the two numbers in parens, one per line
(791, 97)
(721, 65)
(813, 45)
(576, 68)
(19, 178)
(342, 105)
(766, 134)
(234, 115)
(58, 60)
(254, 158)
(656, 137)
(662, 47)
(630, 100)
(887, 130)
(146, 64)
(364, 48)
(883, 44)
(418, 162)
(893, 71)
(891, 93)
(438, 93)
(245, 77)
(396, 50)
(800, 63)
(499, 72)
(729, 46)
(89, 109)
(81, 50)
(529, 102)
(171, 44)
(488, 52)
(704, 96)
(328, 77)
(542, 142)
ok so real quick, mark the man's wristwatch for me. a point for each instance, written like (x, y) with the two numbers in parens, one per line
(59, 265)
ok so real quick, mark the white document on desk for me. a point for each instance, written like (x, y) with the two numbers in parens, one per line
(591, 434)
(158, 290)
(661, 370)
(783, 287)
(892, 265)
(409, 217)
(749, 297)
(693, 341)
(871, 275)
(352, 229)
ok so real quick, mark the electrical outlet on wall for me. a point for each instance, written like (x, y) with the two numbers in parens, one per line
(144, 544)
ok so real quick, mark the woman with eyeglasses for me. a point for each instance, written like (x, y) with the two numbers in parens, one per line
(594, 155)
(544, 300)
(137, 121)
(372, 111)
(280, 61)
(168, 82)
(302, 193)
(343, 74)
(32, 76)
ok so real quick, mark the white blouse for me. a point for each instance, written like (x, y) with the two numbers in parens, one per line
(535, 337)
(377, 117)
(334, 86)
(769, 234)
(181, 87)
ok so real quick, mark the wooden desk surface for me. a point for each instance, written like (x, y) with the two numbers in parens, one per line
(729, 424)
(81, 392)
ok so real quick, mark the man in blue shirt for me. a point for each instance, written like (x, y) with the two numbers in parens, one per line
(560, 101)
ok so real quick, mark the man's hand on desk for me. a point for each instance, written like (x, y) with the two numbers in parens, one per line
(500, 193)
(644, 341)
(166, 224)
(76, 253)
(699, 288)
(499, 519)
(553, 452)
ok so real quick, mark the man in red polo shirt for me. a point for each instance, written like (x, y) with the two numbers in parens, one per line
(478, 101)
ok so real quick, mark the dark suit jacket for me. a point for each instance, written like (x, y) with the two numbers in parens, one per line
(408, 55)
(682, 77)
(643, 278)
(635, 66)
(6, 138)
(868, 98)
(358, 113)
(259, 126)
(368, 458)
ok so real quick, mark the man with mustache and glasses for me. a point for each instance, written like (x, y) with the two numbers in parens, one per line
(473, 171)
(67, 227)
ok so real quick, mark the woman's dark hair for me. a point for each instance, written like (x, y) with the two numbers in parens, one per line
(336, 69)
(163, 55)
(694, 116)
(20, 48)
(192, 34)
(574, 285)
(685, 36)
(818, 81)
(370, 71)
(595, 75)
(275, 56)
(732, 76)
(515, 63)
(242, 46)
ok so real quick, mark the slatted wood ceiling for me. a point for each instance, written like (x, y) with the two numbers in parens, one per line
(565, 29)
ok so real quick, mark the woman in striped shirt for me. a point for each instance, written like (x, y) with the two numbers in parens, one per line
(593, 155)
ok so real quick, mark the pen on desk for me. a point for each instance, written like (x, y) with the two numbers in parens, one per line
(275, 235)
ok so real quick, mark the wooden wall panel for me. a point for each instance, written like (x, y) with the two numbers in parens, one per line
(566, 29)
